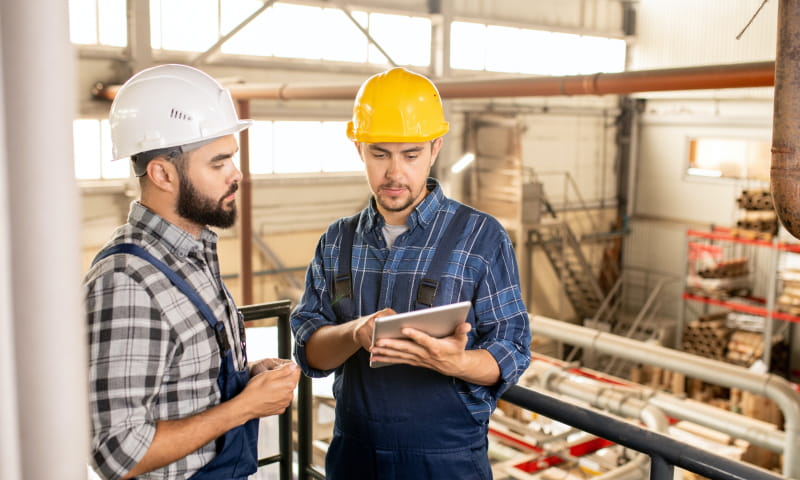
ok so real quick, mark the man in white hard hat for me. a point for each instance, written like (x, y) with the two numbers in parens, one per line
(171, 393)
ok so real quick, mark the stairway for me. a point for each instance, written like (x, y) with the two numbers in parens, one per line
(565, 255)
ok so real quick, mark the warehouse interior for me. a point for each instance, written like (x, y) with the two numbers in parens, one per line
(625, 146)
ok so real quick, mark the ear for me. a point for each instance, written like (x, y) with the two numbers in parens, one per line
(436, 145)
(163, 174)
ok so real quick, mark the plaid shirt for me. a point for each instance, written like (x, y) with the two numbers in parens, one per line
(152, 355)
(485, 274)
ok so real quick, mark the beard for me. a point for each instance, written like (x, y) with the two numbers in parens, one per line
(203, 210)
(397, 204)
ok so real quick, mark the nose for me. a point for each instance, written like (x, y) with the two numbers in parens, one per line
(237, 174)
(393, 170)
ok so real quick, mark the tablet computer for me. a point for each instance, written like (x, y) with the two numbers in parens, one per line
(435, 321)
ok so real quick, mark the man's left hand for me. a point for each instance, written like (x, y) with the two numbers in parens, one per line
(445, 355)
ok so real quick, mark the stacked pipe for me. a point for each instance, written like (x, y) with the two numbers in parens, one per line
(757, 212)
(725, 269)
(707, 336)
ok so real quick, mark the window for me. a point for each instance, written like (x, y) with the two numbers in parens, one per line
(98, 22)
(92, 148)
(301, 147)
(287, 30)
(275, 147)
(516, 50)
(729, 158)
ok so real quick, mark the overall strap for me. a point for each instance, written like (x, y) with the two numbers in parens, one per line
(430, 282)
(180, 284)
(343, 285)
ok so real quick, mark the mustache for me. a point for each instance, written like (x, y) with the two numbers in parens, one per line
(234, 188)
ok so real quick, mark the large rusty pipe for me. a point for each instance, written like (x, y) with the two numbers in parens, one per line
(785, 171)
(758, 74)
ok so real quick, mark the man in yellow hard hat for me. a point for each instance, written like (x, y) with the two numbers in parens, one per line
(172, 395)
(426, 414)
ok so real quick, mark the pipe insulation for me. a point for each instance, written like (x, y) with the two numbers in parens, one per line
(719, 373)
(603, 396)
(757, 432)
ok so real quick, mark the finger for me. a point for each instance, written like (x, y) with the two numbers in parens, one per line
(401, 348)
(383, 313)
(418, 336)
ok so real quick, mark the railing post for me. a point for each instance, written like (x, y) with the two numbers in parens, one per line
(285, 419)
(280, 310)
(660, 468)
(304, 427)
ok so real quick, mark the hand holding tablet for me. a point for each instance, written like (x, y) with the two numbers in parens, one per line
(435, 321)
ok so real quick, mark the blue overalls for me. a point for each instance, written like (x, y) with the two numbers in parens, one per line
(402, 422)
(237, 455)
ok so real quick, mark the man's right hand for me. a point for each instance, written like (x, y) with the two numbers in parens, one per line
(364, 326)
(271, 391)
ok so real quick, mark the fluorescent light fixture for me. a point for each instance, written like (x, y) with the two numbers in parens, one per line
(704, 172)
(462, 162)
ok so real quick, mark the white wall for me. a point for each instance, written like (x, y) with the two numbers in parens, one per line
(680, 33)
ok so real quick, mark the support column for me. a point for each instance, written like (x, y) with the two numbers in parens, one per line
(49, 332)
(9, 434)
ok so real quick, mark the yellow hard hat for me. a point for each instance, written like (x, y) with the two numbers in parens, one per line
(397, 106)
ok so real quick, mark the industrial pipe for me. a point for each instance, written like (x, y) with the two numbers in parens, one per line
(758, 74)
(559, 378)
(626, 404)
(719, 373)
(785, 171)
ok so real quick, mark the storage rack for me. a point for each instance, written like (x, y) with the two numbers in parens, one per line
(763, 307)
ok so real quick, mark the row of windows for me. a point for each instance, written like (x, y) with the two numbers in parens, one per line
(275, 32)
(273, 149)
(285, 30)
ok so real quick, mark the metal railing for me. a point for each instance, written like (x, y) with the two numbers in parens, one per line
(665, 453)
(279, 310)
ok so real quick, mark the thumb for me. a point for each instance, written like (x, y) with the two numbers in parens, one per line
(463, 329)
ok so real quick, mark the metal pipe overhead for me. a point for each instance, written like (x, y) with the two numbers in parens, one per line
(740, 75)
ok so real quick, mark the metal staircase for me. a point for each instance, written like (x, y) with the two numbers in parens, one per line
(563, 250)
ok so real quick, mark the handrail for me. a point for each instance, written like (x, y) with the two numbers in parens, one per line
(280, 310)
(665, 453)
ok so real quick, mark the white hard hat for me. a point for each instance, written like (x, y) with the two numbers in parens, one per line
(170, 106)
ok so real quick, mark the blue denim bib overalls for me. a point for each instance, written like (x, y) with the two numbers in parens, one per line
(237, 455)
(402, 422)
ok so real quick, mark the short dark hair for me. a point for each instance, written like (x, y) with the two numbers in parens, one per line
(173, 154)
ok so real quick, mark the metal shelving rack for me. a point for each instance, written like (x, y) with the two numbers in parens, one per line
(763, 307)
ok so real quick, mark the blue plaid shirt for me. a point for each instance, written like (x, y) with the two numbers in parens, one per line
(482, 269)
